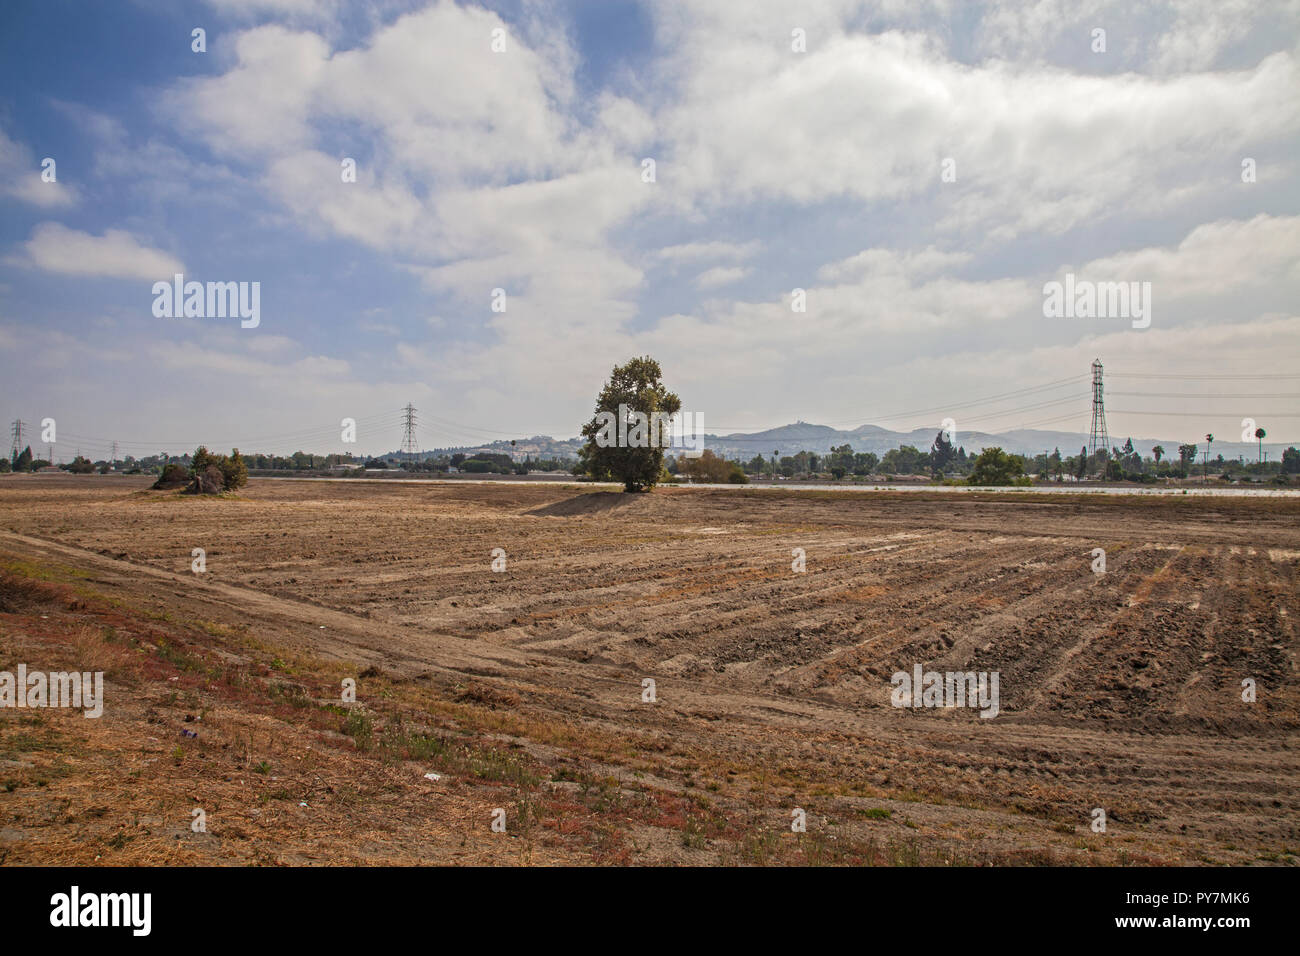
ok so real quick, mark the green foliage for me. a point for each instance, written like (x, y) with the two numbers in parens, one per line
(1291, 461)
(637, 386)
(941, 453)
(904, 460)
(233, 469)
(24, 460)
(485, 463)
(234, 472)
(996, 467)
(202, 458)
(711, 468)
(173, 476)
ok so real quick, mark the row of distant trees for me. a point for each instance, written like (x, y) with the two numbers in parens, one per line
(23, 461)
(478, 463)
(941, 461)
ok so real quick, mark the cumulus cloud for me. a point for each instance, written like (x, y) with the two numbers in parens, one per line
(823, 170)
(720, 275)
(116, 254)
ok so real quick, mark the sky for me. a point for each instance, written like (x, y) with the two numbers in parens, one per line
(920, 170)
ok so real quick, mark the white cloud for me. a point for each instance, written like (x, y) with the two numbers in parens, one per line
(1216, 259)
(870, 118)
(690, 252)
(117, 254)
(20, 177)
(720, 276)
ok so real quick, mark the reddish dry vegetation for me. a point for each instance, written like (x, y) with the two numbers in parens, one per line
(523, 689)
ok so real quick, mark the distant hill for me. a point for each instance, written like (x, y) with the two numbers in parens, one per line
(802, 436)
(806, 436)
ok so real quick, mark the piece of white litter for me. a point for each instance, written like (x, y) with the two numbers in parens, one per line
(303, 804)
(433, 776)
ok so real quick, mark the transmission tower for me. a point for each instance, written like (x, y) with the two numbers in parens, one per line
(112, 462)
(16, 447)
(409, 447)
(1098, 438)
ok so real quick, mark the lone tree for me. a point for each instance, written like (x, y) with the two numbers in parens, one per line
(629, 450)
(1259, 437)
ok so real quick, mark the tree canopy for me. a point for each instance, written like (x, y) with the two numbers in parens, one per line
(636, 395)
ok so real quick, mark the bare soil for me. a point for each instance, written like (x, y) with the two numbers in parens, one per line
(523, 688)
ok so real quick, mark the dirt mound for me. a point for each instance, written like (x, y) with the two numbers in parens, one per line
(593, 502)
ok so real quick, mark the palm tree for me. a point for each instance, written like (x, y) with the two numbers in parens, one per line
(1158, 452)
(1259, 436)
(1205, 474)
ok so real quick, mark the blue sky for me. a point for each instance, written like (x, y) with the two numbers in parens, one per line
(775, 169)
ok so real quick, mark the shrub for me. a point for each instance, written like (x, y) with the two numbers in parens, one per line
(234, 472)
(173, 476)
(209, 481)
(996, 467)
(212, 474)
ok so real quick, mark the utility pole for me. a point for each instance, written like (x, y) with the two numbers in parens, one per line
(1098, 438)
(409, 447)
(17, 447)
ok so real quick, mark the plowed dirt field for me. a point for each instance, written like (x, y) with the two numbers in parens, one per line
(1120, 690)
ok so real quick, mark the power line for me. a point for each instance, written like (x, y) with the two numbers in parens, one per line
(958, 406)
(1214, 414)
(1213, 376)
(321, 433)
(1208, 395)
